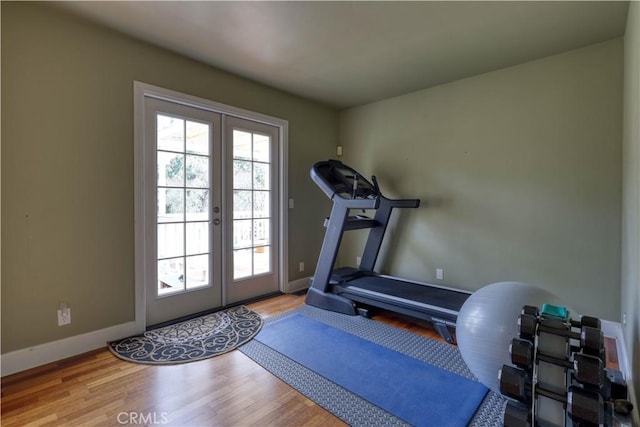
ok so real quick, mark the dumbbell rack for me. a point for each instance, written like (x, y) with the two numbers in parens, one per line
(559, 377)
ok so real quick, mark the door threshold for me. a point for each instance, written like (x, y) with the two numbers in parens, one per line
(212, 310)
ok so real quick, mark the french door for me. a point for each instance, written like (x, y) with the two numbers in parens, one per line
(213, 235)
(252, 194)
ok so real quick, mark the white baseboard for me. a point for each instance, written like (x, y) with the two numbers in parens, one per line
(31, 357)
(298, 284)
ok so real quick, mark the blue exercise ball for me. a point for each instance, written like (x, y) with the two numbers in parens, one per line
(487, 322)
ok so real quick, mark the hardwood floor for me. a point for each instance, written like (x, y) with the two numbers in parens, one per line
(228, 390)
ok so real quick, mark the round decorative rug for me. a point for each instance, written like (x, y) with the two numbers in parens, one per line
(191, 340)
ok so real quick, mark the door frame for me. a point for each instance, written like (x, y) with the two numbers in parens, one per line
(140, 92)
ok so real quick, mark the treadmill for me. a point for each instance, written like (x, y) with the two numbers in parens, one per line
(351, 290)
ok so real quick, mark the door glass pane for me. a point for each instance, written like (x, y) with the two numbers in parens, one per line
(197, 271)
(261, 176)
(242, 263)
(170, 275)
(242, 175)
(262, 260)
(261, 148)
(242, 145)
(170, 205)
(261, 232)
(197, 238)
(197, 205)
(197, 138)
(197, 171)
(242, 234)
(170, 133)
(242, 204)
(170, 240)
(170, 169)
(261, 208)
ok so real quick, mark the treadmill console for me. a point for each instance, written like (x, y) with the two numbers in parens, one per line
(336, 178)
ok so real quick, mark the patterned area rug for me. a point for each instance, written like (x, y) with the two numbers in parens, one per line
(191, 340)
(343, 403)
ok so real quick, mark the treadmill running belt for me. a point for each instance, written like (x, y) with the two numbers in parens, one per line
(438, 297)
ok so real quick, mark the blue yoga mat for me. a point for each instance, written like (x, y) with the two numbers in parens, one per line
(414, 391)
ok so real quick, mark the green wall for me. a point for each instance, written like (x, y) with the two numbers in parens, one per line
(67, 166)
(631, 195)
(519, 173)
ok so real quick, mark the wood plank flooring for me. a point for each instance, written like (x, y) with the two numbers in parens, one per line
(98, 389)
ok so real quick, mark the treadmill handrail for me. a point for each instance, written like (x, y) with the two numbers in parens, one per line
(403, 203)
(356, 203)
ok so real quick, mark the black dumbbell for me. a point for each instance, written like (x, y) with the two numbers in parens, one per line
(589, 370)
(521, 351)
(585, 406)
(592, 342)
(527, 326)
(592, 322)
(516, 415)
(530, 310)
(515, 383)
(619, 389)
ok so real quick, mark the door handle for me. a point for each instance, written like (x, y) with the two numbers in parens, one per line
(216, 221)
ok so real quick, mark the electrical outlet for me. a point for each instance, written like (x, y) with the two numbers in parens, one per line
(624, 319)
(64, 315)
(301, 266)
(439, 274)
(358, 261)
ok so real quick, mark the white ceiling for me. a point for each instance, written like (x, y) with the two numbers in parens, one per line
(350, 53)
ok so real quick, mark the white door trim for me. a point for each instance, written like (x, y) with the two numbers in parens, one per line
(142, 90)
